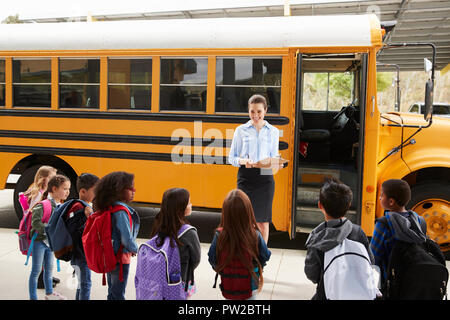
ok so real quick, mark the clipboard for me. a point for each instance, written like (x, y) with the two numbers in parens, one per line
(271, 163)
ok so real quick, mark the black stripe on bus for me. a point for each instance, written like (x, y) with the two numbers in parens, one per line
(120, 138)
(144, 116)
(131, 155)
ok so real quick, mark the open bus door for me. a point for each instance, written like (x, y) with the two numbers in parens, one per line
(307, 218)
(298, 101)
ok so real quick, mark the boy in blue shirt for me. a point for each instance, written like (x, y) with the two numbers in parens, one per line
(397, 224)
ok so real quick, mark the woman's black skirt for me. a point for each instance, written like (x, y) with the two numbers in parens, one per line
(259, 186)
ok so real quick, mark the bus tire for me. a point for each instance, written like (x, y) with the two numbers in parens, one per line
(27, 178)
(431, 200)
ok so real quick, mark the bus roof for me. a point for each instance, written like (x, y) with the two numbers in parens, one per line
(261, 32)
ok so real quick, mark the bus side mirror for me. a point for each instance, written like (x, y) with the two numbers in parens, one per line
(428, 65)
(428, 100)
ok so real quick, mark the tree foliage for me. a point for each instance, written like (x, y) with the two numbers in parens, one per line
(384, 80)
(12, 19)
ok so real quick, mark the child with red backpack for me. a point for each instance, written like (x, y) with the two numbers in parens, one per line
(119, 225)
(57, 191)
(170, 257)
(238, 251)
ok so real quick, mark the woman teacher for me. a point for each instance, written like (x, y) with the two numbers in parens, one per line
(252, 142)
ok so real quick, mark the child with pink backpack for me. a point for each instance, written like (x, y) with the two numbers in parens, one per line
(58, 190)
(27, 200)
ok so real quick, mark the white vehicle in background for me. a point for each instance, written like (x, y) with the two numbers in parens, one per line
(439, 109)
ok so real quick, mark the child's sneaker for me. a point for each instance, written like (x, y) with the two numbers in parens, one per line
(55, 296)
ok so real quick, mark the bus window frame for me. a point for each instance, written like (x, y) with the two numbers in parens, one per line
(151, 85)
(59, 83)
(28, 58)
(160, 84)
(273, 57)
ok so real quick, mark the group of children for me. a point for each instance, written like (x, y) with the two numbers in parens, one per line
(117, 188)
(397, 226)
(237, 251)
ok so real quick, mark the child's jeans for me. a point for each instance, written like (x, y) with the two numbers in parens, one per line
(116, 288)
(84, 279)
(42, 255)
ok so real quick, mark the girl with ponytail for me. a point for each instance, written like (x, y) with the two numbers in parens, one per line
(34, 192)
(58, 190)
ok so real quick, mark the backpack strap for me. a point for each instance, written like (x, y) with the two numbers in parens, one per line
(30, 248)
(23, 200)
(185, 228)
(47, 207)
(113, 209)
(421, 220)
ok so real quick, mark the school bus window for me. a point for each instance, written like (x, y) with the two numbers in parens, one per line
(129, 83)
(183, 84)
(2, 82)
(32, 83)
(327, 91)
(79, 83)
(239, 78)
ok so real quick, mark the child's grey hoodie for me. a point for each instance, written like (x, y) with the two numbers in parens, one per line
(325, 237)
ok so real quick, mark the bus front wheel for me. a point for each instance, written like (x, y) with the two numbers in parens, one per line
(431, 200)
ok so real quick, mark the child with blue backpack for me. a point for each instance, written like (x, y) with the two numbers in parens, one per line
(58, 190)
(113, 190)
(75, 219)
(179, 241)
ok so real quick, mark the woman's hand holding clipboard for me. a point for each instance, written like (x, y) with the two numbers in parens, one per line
(272, 163)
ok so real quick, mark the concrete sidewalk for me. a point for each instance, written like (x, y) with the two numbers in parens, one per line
(284, 278)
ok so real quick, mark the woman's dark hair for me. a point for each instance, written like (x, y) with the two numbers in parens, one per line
(110, 189)
(238, 238)
(335, 197)
(257, 98)
(398, 190)
(171, 216)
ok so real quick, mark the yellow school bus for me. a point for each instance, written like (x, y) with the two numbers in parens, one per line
(161, 99)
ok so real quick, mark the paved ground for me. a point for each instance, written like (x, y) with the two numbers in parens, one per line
(284, 278)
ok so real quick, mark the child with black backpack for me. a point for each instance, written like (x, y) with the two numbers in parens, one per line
(238, 251)
(75, 219)
(399, 243)
(169, 258)
(336, 246)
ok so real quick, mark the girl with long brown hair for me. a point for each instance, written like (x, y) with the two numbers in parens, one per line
(175, 207)
(238, 248)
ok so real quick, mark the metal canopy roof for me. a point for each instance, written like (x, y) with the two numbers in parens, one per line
(417, 21)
